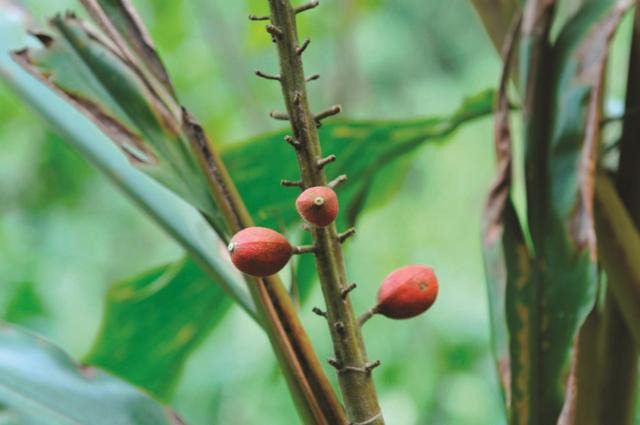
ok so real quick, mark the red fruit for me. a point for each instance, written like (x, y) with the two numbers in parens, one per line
(406, 292)
(318, 205)
(259, 251)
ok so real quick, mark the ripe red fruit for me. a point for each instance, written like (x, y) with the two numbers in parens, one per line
(406, 292)
(259, 251)
(318, 205)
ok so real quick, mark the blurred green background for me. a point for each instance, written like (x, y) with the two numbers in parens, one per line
(66, 233)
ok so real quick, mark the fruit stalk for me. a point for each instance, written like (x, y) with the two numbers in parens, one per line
(354, 369)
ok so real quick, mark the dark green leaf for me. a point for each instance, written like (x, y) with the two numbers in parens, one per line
(154, 321)
(24, 305)
(362, 149)
(41, 385)
(561, 143)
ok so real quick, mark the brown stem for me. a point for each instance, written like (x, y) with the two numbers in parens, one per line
(316, 401)
(357, 387)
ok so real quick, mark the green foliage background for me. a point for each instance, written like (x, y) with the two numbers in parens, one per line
(66, 234)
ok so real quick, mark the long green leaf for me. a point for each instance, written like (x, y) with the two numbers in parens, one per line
(145, 336)
(121, 23)
(96, 77)
(40, 385)
(561, 144)
(179, 219)
(363, 149)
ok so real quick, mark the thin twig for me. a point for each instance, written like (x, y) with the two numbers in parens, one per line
(293, 142)
(267, 76)
(311, 5)
(303, 46)
(329, 112)
(282, 116)
(304, 249)
(367, 315)
(344, 292)
(337, 181)
(326, 160)
(346, 234)
(292, 183)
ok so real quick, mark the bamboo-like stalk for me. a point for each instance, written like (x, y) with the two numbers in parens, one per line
(316, 401)
(354, 369)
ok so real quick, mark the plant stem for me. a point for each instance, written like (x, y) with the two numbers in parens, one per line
(315, 399)
(354, 371)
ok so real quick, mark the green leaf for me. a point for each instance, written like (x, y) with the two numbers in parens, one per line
(363, 148)
(120, 21)
(24, 305)
(145, 336)
(183, 222)
(561, 143)
(94, 75)
(41, 385)
(374, 155)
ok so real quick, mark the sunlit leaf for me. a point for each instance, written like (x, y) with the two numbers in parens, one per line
(154, 321)
(41, 385)
(121, 22)
(93, 74)
(179, 219)
(362, 149)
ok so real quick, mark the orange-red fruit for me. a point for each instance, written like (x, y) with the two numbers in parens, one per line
(259, 251)
(406, 292)
(318, 205)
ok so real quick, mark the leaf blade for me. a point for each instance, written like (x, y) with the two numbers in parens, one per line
(40, 384)
(173, 214)
(145, 337)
